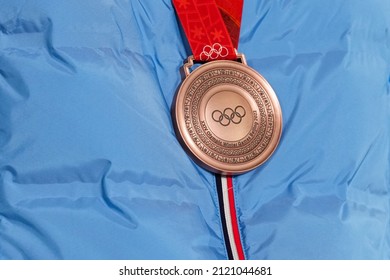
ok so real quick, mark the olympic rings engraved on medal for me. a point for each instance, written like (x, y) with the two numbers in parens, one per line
(229, 115)
(213, 52)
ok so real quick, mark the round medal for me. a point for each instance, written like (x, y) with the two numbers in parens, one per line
(227, 116)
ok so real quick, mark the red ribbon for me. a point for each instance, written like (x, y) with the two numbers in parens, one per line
(212, 27)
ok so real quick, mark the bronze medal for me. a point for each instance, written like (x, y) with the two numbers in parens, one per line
(227, 116)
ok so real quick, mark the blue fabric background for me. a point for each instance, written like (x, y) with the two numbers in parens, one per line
(90, 167)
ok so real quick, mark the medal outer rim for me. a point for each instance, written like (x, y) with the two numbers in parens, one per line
(189, 145)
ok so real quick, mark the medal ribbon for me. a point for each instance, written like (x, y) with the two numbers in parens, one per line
(212, 27)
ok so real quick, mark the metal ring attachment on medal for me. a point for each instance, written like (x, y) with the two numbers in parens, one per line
(227, 117)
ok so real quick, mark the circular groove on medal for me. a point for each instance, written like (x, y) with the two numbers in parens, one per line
(227, 117)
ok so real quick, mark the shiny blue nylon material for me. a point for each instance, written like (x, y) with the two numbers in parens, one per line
(90, 167)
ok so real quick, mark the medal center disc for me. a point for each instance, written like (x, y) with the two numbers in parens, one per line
(226, 113)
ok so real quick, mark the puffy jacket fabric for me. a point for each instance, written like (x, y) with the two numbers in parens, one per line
(90, 167)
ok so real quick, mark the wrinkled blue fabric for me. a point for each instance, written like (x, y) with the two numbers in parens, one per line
(90, 167)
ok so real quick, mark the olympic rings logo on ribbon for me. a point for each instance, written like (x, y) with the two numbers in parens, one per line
(229, 115)
(213, 52)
